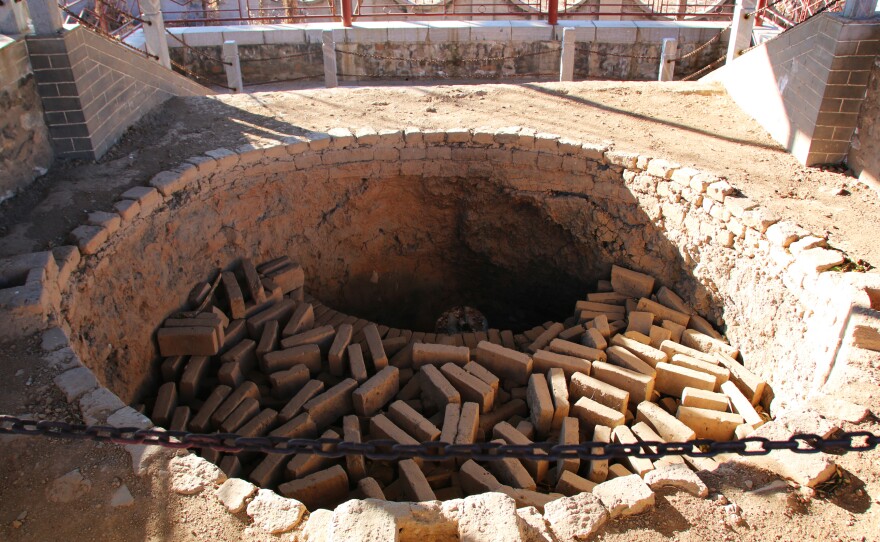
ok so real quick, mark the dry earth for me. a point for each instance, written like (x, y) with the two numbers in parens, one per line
(690, 123)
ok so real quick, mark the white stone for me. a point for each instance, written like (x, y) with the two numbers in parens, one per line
(489, 517)
(190, 474)
(69, 487)
(76, 382)
(678, 476)
(806, 243)
(662, 168)
(129, 417)
(275, 514)
(366, 520)
(122, 497)
(97, 404)
(143, 456)
(533, 526)
(317, 527)
(840, 409)
(234, 494)
(625, 496)
(53, 339)
(575, 518)
(63, 360)
(818, 259)
(783, 234)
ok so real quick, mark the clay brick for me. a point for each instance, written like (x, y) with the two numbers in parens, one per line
(596, 390)
(511, 472)
(483, 374)
(658, 335)
(662, 312)
(437, 388)
(172, 367)
(593, 339)
(741, 405)
(357, 367)
(622, 357)
(383, 428)
(648, 354)
(394, 344)
(288, 277)
(412, 422)
(323, 489)
(639, 465)
(645, 434)
(665, 424)
(415, 486)
(640, 321)
(322, 336)
(268, 471)
(639, 386)
(569, 433)
(537, 469)
(675, 329)
(260, 424)
(377, 351)
(188, 341)
(720, 374)
(704, 343)
(598, 468)
(671, 348)
(451, 415)
(375, 393)
(247, 409)
(693, 397)
(336, 355)
(614, 312)
(611, 298)
(234, 295)
(673, 379)
(180, 420)
(475, 479)
(244, 354)
(301, 426)
(542, 340)
(572, 334)
(468, 424)
(331, 405)
(89, 239)
(470, 387)
(540, 404)
(592, 413)
(533, 333)
(505, 411)
(571, 484)
(403, 358)
(506, 340)
(700, 324)
(371, 489)
(504, 362)
(545, 360)
(268, 339)
(747, 382)
(279, 312)
(230, 374)
(191, 379)
(631, 283)
(618, 471)
(355, 464)
(234, 334)
(308, 355)
(166, 402)
(439, 354)
(252, 282)
(201, 422)
(302, 320)
(569, 348)
(286, 383)
(293, 407)
(709, 424)
(525, 497)
(248, 390)
(527, 429)
(303, 464)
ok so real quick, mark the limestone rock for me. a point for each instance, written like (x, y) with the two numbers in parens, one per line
(53, 339)
(575, 518)
(840, 409)
(63, 360)
(533, 526)
(76, 382)
(234, 494)
(489, 517)
(190, 474)
(367, 520)
(317, 528)
(121, 498)
(69, 487)
(678, 476)
(98, 404)
(275, 514)
(625, 496)
(129, 417)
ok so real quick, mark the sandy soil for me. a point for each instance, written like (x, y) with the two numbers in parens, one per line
(690, 123)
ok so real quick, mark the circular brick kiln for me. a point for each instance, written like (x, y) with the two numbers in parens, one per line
(388, 229)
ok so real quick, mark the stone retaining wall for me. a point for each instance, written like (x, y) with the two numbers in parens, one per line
(24, 139)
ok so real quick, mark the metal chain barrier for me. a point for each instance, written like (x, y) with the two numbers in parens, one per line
(853, 441)
(714, 38)
(469, 60)
(282, 57)
(109, 36)
(704, 69)
(196, 76)
(589, 50)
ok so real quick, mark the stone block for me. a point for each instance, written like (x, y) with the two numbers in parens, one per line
(625, 496)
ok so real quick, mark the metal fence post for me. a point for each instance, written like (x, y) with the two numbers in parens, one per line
(566, 61)
(667, 62)
(232, 65)
(346, 13)
(741, 28)
(329, 48)
(154, 32)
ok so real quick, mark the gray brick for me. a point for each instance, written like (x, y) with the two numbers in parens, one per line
(837, 119)
(851, 106)
(46, 46)
(69, 130)
(59, 61)
(830, 105)
(76, 382)
(852, 63)
(62, 146)
(41, 62)
(63, 75)
(56, 118)
(829, 147)
(859, 77)
(855, 92)
(48, 90)
(82, 144)
(61, 104)
(867, 31)
(868, 47)
(74, 117)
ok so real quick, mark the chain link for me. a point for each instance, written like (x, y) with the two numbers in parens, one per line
(589, 50)
(714, 38)
(281, 57)
(704, 69)
(453, 62)
(855, 441)
(196, 76)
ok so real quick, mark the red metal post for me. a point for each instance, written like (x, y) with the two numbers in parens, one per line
(346, 12)
(759, 12)
(553, 12)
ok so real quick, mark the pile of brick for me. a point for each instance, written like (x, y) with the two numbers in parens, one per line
(256, 356)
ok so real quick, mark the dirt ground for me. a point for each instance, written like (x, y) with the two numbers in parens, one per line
(689, 123)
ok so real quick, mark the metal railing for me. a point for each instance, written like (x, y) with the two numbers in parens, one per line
(788, 13)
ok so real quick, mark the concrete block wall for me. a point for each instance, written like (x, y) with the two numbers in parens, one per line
(806, 86)
(93, 89)
(24, 139)
(864, 154)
